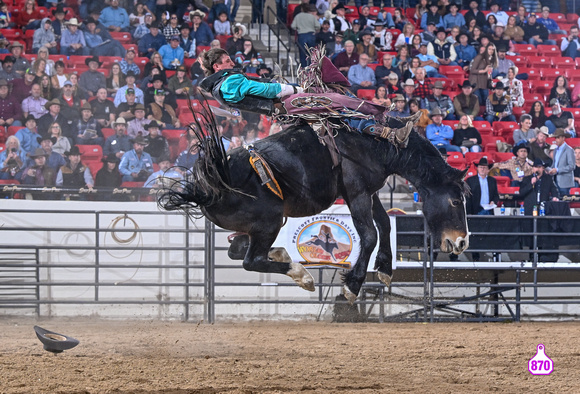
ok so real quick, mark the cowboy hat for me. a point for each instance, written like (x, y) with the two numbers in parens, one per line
(54, 342)
(37, 153)
(52, 102)
(409, 82)
(499, 85)
(199, 13)
(72, 22)
(538, 163)
(46, 137)
(519, 146)
(398, 97)
(15, 44)
(59, 10)
(438, 85)
(242, 27)
(111, 158)
(74, 151)
(3, 82)
(120, 121)
(163, 158)
(140, 140)
(483, 162)
(93, 59)
(543, 130)
(340, 6)
(467, 84)
(153, 123)
(138, 107)
(561, 133)
(435, 112)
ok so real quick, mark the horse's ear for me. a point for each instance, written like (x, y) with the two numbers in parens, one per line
(463, 173)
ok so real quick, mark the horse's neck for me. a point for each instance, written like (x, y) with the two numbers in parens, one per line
(417, 163)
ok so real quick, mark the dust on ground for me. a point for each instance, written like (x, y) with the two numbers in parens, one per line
(277, 357)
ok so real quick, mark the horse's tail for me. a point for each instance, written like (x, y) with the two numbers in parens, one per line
(209, 177)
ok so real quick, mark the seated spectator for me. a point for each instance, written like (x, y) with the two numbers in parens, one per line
(361, 76)
(222, 25)
(422, 86)
(98, 46)
(72, 42)
(186, 43)
(536, 33)
(408, 89)
(61, 144)
(10, 108)
(70, 109)
(518, 166)
(249, 59)
(200, 31)
(324, 37)
(439, 134)
(118, 143)
(522, 12)
(453, 37)
(188, 157)
(467, 103)
(46, 89)
(235, 43)
(59, 77)
(172, 54)
(28, 18)
(406, 36)
(155, 62)
(432, 16)
(364, 17)
(465, 52)
(539, 148)
(136, 165)
(28, 136)
(346, 59)
(21, 64)
(441, 49)
(156, 83)
(442, 101)
(92, 79)
(34, 104)
(498, 37)
(12, 159)
(411, 71)
(103, 109)
(161, 112)
(383, 71)
(577, 167)
(38, 173)
(142, 28)
(400, 110)
(382, 39)
(115, 80)
(538, 114)
(157, 143)
(152, 41)
(402, 60)
(171, 27)
(128, 64)
(159, 178)
(137, 125)
(7, 72)
(430, 34)
(180, 84)
(125, 110)
(563, 164)
(474, 14)
(500, 16)
(525, 134)
(115, 18)
(429, 62)
(453, 18)
(549, 23)
(424, 120)
(43, 54)
(121, 95)
(44, 37)
(366, 46)
(466, 137)
(109, 175)
(74, 174)
(88, 130)
(561, 92)
(503, 63)
(53, 115)
(38, 68)
(339, 23)
(498, 106)
(560, 119)
(570, 45)
(514, 87)
(21, 87)
(514, 32)
(381, 97)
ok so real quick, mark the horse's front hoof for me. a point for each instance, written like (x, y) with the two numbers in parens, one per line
(301, 276)
(349, 295)
(386, 279)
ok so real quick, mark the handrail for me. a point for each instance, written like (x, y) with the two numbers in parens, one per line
(279, 29)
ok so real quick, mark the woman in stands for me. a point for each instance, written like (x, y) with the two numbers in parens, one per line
(561, 91)
(513, 31)
(62, 143)
(481, 70)
(476, 35)
(420, 9)
(109, 176)
(402, 59)
(514, 87)
(43, 55)
(469, 27)
(12, 159)
(116, 79)
(47, 91)
(406, 37)
(415, 45)
(78, 92)
(400, 19)
(249, 58)
(412, 70)
(489, 26)
(155, 60)
(29, 18)
(452, 38)
(424, 120)
(539, 117)
(59, 77)
(38, 67)
(466, 137)
(381, 97)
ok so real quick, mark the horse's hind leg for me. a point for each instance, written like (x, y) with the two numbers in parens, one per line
(384, 260)
(257, 259)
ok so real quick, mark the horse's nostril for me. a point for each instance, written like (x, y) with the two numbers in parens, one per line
(461, 244)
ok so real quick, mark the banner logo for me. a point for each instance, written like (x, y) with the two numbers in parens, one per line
(325, 242)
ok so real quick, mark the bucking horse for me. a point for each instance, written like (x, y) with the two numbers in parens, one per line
(231, 194)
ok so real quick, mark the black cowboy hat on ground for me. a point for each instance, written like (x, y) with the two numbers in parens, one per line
(54, 342)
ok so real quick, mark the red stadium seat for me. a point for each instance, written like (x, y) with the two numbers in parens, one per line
(490, 143)
(508, 189)
(91, 152)
(132, 184)
(550, 74)
(222, 38)
(499, 157)
(559, 18)
(572, 18)
(565, 63)
(200, 48)
(482, 125)
(518, 112)
(366, 94)
(452, 71)
(519, 60)
(352, 11)
(575, 191)
(13, 129)
(107, 132)
(533, 74)
(525, 49)
(539, 61)
(473, 157)
(456, 160)
(542, 87)
(503, 181)
(123, 38)
(549, 50)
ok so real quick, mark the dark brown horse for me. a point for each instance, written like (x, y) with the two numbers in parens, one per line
(229, 193)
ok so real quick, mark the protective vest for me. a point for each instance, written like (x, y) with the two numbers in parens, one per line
(73, 179)
(442, 51)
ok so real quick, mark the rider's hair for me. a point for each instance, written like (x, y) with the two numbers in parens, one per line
(211, 57)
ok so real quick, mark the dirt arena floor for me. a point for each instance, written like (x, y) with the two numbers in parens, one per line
(266, 357)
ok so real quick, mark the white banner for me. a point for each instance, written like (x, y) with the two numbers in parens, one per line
(326, 240)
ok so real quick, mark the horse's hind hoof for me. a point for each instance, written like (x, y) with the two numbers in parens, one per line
(301, 276)
(349, 295)
(386, 279)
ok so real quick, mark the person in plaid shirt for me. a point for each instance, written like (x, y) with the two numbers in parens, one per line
(517, 167)
(441, 101)
(422, 86)
(498, 106)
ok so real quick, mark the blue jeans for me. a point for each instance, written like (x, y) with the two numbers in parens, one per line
(257, 11)
(449, 147)
(482, 94)
(544, 42)
(493, 118)
(435, 74)
(305, 39)
(216, 10)
(388, 20)
(83, 51)
(234, 12)
(552, 127)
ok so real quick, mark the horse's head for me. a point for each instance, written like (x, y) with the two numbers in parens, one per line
(444, 209)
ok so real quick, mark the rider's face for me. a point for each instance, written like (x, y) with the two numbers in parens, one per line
(225, 63)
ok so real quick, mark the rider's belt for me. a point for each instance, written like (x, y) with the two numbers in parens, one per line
(264, 172)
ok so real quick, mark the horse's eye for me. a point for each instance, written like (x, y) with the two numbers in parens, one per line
(455, 203)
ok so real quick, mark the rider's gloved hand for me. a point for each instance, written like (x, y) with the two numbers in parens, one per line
(287, 90)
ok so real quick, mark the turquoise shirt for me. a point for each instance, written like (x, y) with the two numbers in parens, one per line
(235, 88)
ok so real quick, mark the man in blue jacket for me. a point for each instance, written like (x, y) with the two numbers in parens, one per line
(136, 165)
